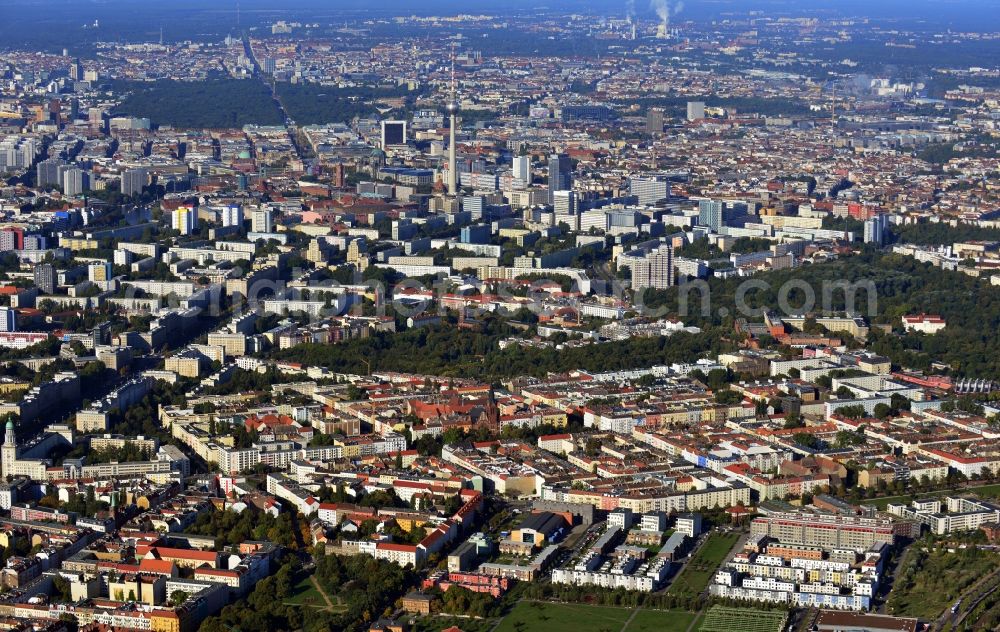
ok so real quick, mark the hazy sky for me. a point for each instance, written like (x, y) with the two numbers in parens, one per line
(699, 8)
(25, 21)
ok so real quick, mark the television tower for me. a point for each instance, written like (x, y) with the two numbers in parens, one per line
(833, 105)
(452, 108)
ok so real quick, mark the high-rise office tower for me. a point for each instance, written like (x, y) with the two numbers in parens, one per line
(560, 175)
(564, 208)
(564, 203)
(55, 111)
(710, 214)
(11, 238)
(184, 220)
(48, 172)
(875, 229)
(45, 277)
(133, 181)
(522, 169)
(649, 190)
(95, 118)
(261, 221)
(35, 242)
(8, 320)
(695, 110)
(654, 121)
(655, 270)
(474, 204)
(75, 181)
(232, 215)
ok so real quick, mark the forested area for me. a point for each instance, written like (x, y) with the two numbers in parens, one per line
(367, 587)
(969, 345)
(314, 104)
(230, 528)
(873, 55)
(214, 103)
(450, 351)
(943, 234)
(926, 234)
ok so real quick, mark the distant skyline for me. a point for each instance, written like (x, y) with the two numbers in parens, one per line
(955, 9)
(55, 24)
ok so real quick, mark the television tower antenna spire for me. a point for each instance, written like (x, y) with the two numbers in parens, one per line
(453, 71)
(452, 108)
(833, 105)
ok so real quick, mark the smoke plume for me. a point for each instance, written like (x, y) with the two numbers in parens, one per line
(664, 10)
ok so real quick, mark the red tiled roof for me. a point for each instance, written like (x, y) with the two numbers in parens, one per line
(402, 548)
(159, 567)
(184, 554)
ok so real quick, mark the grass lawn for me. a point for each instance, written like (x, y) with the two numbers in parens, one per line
(699, 571)
(659, 621)
(882, 503)
(528, 616)
(717, 547)
(305, 593)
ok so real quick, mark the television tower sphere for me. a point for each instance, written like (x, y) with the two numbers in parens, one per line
(452, 107)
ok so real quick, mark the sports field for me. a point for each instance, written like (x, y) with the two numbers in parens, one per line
(657, 621)
(723, 619)
(528, 616)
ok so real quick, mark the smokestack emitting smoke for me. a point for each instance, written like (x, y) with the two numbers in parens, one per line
(664, 11)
